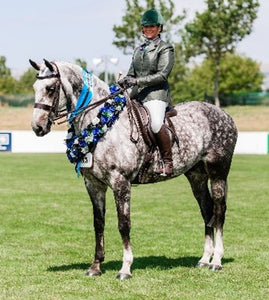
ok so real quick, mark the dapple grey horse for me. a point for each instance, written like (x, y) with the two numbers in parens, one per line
(207, 137)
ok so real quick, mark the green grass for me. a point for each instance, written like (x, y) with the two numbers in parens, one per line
(47, 240)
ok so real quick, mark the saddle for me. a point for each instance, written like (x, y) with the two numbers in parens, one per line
(141, 116)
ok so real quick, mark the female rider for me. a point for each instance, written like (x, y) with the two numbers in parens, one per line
(148, 74)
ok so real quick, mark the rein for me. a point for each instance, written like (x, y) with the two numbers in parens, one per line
(65, 113)
(87, 107)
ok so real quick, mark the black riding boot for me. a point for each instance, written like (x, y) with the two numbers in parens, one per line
(164, 144)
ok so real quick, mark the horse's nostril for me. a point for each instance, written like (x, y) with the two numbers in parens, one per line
(38, 130)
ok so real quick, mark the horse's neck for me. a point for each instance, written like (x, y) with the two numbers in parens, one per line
(100, 91)
(72, 83)
(73, 75)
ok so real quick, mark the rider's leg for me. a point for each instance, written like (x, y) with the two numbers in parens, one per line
(164, 144)
(157, 109)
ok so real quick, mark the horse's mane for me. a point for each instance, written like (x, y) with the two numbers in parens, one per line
(75, 70)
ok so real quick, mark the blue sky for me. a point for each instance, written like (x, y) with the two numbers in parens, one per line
(69, 29)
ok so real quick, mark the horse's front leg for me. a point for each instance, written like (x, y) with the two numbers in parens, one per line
(122, 193)
(97, 191)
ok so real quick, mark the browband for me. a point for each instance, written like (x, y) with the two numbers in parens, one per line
(57, 75)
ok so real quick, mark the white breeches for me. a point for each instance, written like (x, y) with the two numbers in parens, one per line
(156, 109)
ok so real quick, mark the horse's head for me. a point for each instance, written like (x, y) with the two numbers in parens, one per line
(49, 98)
(58, 87)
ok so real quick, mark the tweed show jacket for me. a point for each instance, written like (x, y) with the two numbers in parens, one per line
(151, 67)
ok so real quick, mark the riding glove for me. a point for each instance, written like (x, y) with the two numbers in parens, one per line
(127, 82)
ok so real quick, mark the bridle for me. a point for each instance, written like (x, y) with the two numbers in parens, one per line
(54, 107)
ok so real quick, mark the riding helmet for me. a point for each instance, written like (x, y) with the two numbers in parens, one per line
(151, 17)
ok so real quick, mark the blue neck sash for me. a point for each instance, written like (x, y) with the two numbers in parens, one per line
(85, 96)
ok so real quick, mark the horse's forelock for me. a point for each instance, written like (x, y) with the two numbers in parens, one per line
(44, 71)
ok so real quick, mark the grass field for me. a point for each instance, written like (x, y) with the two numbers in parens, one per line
(47, 240)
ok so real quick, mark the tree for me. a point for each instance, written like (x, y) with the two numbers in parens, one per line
(110, 77)
(128, 34)
(7, 82)
(82, 63)
(26, 82)
(238, 75)
(4, 70)
(218, 30)
(177, 78)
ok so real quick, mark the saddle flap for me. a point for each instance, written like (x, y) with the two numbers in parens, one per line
(142, 118)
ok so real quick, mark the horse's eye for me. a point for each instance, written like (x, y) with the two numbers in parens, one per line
(50, 89)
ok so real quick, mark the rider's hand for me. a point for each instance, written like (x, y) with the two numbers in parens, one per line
(127, 82)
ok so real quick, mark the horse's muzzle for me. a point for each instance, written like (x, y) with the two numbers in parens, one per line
(41, 130)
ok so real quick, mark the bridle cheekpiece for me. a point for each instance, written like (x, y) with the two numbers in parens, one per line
(54, 108)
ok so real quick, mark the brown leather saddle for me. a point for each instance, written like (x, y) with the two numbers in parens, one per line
(141, 118)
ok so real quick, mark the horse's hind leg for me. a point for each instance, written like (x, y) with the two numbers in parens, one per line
(219, 191)
(198, 180)
(97, 191)
(218, 172)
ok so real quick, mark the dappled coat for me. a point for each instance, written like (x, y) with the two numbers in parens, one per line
(151, 65)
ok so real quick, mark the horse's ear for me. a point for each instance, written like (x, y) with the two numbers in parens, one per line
(49, 65)
(34, 65)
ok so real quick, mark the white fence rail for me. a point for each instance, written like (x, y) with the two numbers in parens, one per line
(24, 141)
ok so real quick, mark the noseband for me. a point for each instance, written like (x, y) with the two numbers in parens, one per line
(54, 108)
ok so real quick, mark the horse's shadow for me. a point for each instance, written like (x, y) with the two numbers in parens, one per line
(153, 262)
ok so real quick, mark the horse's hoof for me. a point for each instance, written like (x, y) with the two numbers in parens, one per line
(122, 276)
(201, 265)
(93, 274)
(215, 267)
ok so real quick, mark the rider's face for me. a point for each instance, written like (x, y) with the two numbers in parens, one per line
(151, 31)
